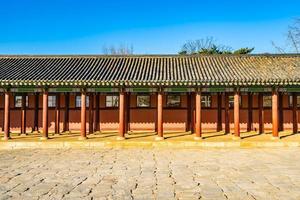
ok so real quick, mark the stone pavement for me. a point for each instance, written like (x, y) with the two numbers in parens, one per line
(150, 174)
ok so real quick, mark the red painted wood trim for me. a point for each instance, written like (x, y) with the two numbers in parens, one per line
(295, 114)
(226, 101)
(91, 114)
(250, 112)
(275, 114)
(57, 114)
(36, 113)
(45, 114)
(122, 114)
(198, 114)
(97, 112)
(160, 114)
(6, 115)
(83, 115)
(66, 113)
(237, 114)
(23, 114)
(219, 112)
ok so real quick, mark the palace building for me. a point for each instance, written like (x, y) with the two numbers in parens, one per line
(230, 93)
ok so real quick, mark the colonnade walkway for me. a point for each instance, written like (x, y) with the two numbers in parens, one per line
(147, 139)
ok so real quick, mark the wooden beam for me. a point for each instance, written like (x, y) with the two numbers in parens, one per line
(250, 112)
(260, 113)
(23, 114)
(227, 116)
(97, 117)
(280, 111)
(219, 112)
(6, 116)
(193, 113)
(57, 114)
(198, 115)
(237, 114)
(83, 116)
(275, 114)
(36, 113)
(160, 132)
(2, 127)
(91, 114)
(127, 113)
(189, 113)
(66, 113)
(45, 116)
(295, 114)
(121, 115)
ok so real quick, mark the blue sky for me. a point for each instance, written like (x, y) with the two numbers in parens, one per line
(152, 27)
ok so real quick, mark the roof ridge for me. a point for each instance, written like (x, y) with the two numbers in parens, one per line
(143, 55)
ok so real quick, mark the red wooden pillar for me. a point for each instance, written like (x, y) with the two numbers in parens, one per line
(219, 114)
(6, 116)
(97, 121)
(57, 114)
(275, 114)
(295, 114)
(237, 114)
(193, 114)
(160, 116)
(2, 122)
(121, 116)
(127, 112)
(45, 115)
(66, 113)
(250, 111)
(91, 114)
(260, 113)
(280, 112)
(83, 116)
(227, 125)
(36, 113)
(23, 115)
(198, 115)
(189, 113)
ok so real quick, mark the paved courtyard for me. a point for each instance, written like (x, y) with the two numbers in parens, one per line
(150, 174)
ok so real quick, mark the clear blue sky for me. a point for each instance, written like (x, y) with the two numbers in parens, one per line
(152, 27)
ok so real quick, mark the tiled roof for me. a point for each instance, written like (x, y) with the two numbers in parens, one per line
(163, 70)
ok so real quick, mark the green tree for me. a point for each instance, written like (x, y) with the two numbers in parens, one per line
(243, 50)
(209, 46)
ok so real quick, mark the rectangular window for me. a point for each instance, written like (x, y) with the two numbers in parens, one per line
(78, 101)
(173, 101)
(291, 101)
(143, 101)
(51, 101)
(112, 101)
(206, 101)
(18, 101)
(267, 101)
(231, 101)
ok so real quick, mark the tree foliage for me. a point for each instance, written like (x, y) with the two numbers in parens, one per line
(209, 45)
(243, 51)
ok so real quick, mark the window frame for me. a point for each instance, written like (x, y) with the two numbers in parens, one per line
(143, 95)
(112, 100)
(26, 101)
(87, 101)
(167, 99)
(291, 101)
(52, 105)
(208, 99)
(270, 98)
